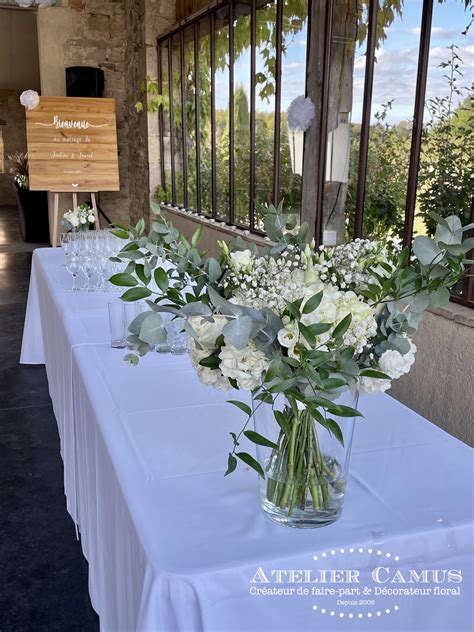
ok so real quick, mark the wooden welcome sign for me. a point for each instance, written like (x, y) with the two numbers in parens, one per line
(72, 145)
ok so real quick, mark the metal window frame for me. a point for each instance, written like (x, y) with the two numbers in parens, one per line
(366, 115)
(467, 296)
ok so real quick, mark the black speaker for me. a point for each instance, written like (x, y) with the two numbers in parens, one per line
(84, 81)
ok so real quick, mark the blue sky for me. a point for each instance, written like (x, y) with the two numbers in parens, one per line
(395, 71)
(397, 57)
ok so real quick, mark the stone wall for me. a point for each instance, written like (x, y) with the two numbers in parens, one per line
(14, 138)
(118, 36)
(99, 39)
(440, 383)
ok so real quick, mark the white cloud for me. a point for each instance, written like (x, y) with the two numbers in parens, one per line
(293, 65)
(395, 77)
(437, 32)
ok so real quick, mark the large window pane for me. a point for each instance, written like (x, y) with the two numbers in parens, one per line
(205, 132)
(348, 47)
(446, 176)
(293, 84)
(391, 122)
(190, 104)
(265, 67)
(177, 120)
(242, 113)
(163, 193)
(222, 113)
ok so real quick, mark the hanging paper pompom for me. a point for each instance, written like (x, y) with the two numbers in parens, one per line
(301, 113)
(30, 99)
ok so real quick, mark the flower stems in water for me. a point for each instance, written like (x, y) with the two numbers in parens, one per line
(296, 468)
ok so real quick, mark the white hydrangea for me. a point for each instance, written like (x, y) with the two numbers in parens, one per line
(210, 377)
(246, 365)
(207, 331)
(336, 305)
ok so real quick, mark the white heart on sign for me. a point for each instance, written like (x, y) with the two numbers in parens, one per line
(74, 184)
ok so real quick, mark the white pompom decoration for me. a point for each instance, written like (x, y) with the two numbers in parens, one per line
(42, 4)
(30, 99)
(301, 113)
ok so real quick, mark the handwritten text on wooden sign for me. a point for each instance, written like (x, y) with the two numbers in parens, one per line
(72, 145)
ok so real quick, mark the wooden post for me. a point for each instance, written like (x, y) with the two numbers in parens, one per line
(96, 214)
(54, 239)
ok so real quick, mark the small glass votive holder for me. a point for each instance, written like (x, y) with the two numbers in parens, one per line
(130, 311)
(165, 347)
(117, 325)
(179, 337)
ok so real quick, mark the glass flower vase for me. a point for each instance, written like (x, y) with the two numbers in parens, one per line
(306, 474)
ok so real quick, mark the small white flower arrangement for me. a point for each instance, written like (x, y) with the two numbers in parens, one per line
(79, 218)
(29, 99)
(22, 182)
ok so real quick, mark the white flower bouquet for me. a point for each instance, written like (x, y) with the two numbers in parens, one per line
(298, 327)
(79, 218)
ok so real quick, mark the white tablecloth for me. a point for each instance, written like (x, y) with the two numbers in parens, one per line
(173, 545)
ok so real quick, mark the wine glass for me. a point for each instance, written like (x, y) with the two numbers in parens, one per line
(73, 267)
(64, 241)
(88, 267)
(73, 244)
(102, 269)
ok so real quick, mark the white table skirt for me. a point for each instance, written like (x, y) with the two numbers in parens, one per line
(173, 545)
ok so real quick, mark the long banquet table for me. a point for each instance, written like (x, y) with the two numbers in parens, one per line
(173, 545)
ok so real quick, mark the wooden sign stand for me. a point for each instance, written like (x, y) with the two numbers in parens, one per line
(54, 240)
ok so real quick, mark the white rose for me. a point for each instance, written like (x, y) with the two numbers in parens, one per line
(395, 364)
(288, 336)
(29, 98)
(241, 260)
(370, 385)
(91, 219)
